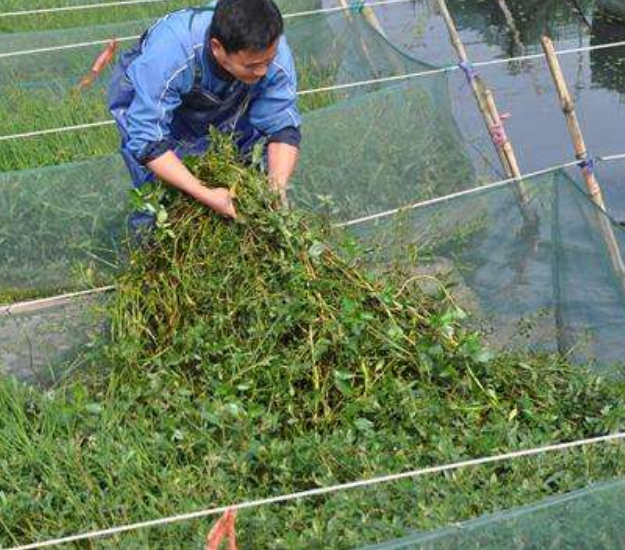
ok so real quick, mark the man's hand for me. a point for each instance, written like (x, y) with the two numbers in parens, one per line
(282, 160)
(170, 169)
(220, 200)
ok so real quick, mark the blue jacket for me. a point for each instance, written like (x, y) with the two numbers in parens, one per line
(167, 90)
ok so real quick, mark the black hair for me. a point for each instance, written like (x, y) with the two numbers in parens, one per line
(246, 24)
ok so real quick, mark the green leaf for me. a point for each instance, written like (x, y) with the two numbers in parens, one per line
(363, 424)
(316, 249)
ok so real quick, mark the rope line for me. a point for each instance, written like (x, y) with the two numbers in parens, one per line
(472, 191)
(31, 305)
(66, 47)
(44, 303)
(59, 130)
(526, 57)
(337, 87)
(40, 11)
(327, 490)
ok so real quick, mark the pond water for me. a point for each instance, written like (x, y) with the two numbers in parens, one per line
(537, 127)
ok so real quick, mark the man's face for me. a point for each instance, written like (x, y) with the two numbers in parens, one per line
(248, 66)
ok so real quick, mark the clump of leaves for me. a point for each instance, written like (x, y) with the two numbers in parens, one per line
(268, 313)
(266, 306)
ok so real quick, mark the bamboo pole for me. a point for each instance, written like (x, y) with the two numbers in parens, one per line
(368, 14)
(490, 115)
(568, 108)
(581, 153)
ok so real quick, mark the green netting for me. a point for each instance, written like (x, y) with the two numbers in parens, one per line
(39, 91)
(61, 226)
(547, 287)
(67, 20)
(554, 289)
(365, 150)
(589, 518)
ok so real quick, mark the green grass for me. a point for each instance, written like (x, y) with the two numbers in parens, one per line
(250, 358)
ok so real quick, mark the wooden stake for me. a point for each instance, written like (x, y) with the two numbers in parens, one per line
(492, 118)
(368, 14)
(581, 153)
(568, 108)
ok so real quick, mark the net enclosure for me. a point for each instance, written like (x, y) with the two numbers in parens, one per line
(383, 159)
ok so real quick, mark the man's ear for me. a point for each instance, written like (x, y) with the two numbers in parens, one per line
(217, 47)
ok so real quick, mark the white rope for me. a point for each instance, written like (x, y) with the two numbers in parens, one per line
(336, 87)
(451, 196)
(58, 130)
(79, 7)
(66, 47)
(472, 191)
(45, 303)
(327, 490)
(136, 37)
(608, 158)
(134, 2)
(32, 304)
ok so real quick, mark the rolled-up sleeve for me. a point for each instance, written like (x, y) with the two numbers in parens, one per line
(275, 107)
(161, 74)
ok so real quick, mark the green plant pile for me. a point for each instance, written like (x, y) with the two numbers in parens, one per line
(252, 358)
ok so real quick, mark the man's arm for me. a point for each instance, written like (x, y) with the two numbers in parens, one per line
(282, 161)
(275, 114)
(160, 76)
(170, 169)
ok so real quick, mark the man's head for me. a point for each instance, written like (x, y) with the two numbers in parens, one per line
(244, 37)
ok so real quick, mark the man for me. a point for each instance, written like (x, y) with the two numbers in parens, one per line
(226, 66)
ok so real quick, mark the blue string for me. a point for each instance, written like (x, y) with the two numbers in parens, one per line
(469, 71)
(588, 164)
(357, 5)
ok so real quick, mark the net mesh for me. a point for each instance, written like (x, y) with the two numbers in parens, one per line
(588, 518)
(550, 288)
(65, 21)
(63, 223)
(554, 286)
